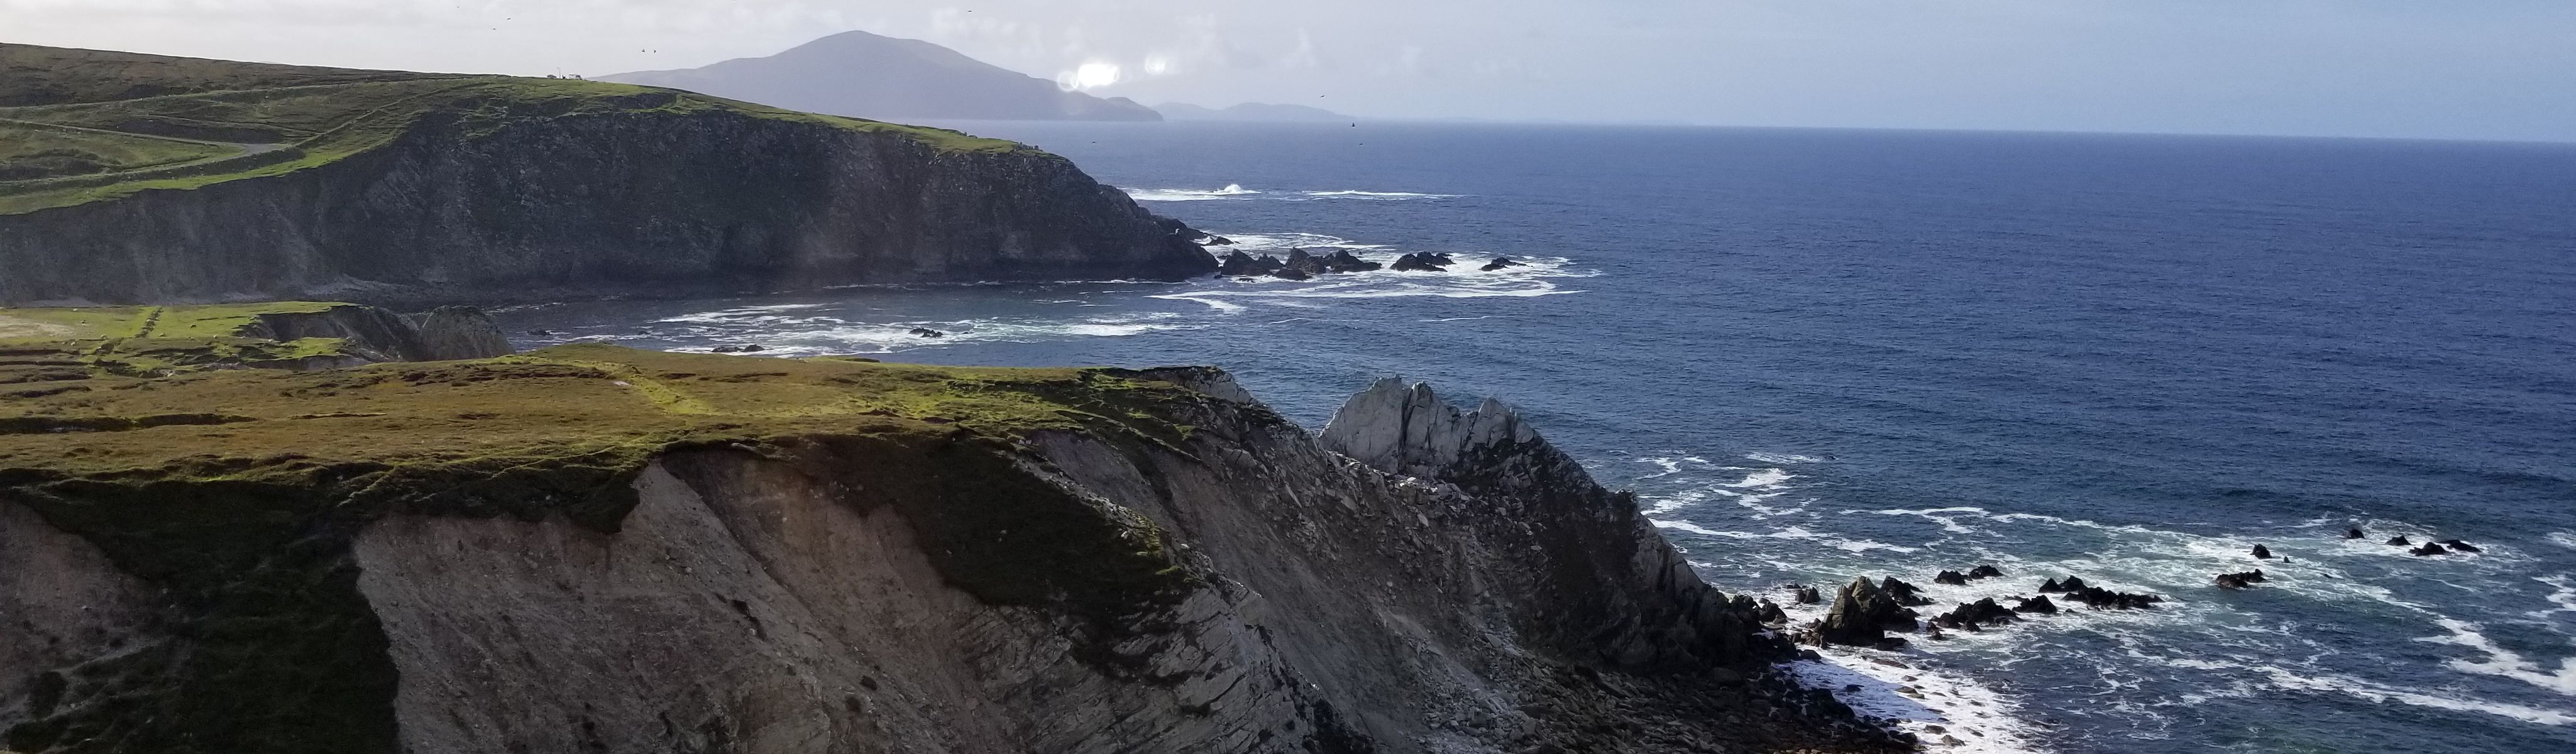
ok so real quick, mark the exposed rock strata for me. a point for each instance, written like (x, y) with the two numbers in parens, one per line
(631, 203)
(1452, 584)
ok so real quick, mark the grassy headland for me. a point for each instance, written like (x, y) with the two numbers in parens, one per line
(112, 124)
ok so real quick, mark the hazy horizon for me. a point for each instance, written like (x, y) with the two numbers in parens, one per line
(2498, 70)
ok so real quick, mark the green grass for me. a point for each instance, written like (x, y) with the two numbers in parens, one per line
(323, 124)
(38, 75)
(35, 151)
(41, 346)
(239, 491)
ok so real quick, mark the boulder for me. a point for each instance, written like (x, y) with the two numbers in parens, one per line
(1905, 594)
(1498, 263)
(2429, 548)
(1863, 612)
(1952, 578)
(1984, 572)
(2104, 599)
(2039, 604)
(2262, 553)
(1971, 615)
(1239, 264)
(1807, 595)
(2070, 585)
(1770, 614)
(1423, 261)
(2399, 540)
(2352, 533)
(924, 332)
(2459, 546)
(2239, 580)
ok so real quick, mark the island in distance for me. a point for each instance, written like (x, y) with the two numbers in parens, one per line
(865, 75)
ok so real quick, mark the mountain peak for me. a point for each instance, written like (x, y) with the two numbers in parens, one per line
(868, 75)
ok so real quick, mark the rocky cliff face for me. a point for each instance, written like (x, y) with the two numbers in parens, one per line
(377, 335)
(1176, 569)
(583, 205)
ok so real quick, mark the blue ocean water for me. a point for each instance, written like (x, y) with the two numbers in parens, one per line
(1820, 354)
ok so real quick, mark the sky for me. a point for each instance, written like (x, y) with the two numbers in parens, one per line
(2452, 69)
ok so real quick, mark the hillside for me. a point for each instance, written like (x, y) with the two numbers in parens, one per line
(865, 75)
(590, 548)
(337, 183)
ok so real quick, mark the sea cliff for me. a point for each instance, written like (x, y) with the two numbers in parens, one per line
(589, 548)
(495, 189)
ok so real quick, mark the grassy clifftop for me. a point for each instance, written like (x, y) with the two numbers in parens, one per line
(82, 126)
(238, 493)
(41, 347)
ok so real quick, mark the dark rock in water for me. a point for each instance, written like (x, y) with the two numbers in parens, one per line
(1770, 614)
(2239, 580)
(2049, 586)
(2429, 548)
(1953, 578)
(1934, 633)
(2039, 604)
(1971, 615)
(2070, 585)
(2104, 599)
(737, 348)
(1423, 261)
(924, 332)
(2399, 541)
(1239, 264)
(2262, 553)
(1217, 241)
(754, 347)
(1807, 595)
(1498, 263)
(1292, 273)
(1905, 594)
(1863, 612)
(2352, 533)
(1340, 260)
(541, 333)
(1984, 572)
(2459, 546)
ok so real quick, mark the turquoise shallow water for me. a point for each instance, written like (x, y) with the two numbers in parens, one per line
(1824, 353)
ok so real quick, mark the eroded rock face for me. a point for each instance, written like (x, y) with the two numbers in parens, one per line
(1247, 589)
(377, 335)
(588, 206)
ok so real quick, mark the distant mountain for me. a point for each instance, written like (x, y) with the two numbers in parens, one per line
(1248, 111)
(864, 75)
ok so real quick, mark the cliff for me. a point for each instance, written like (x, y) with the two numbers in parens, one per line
(870, 76)
(499, 189)
(589, 548)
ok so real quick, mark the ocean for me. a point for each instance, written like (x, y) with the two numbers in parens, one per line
(1818, 354)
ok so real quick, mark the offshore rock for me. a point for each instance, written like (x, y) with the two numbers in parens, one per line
(1862, 614)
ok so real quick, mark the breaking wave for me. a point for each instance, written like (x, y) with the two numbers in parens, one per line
(1236, 191)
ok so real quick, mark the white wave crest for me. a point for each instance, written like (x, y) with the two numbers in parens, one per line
(1236, 191)
(1231, 191)
(1904, 689)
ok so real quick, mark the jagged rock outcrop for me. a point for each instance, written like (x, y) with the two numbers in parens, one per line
(1184, 571)
(1864, 611)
